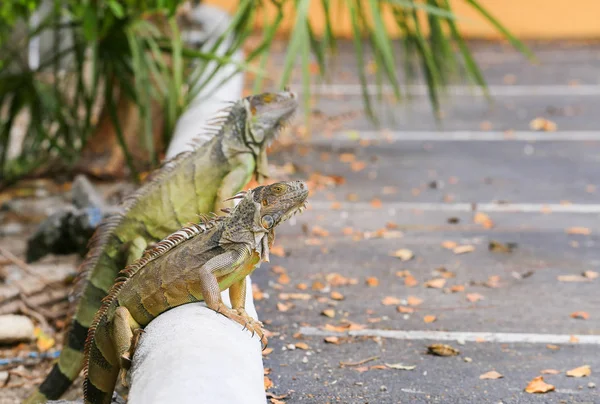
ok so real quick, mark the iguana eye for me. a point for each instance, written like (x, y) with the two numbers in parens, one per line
(267, 221)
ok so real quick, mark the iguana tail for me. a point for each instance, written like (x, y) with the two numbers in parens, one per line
(102, 365)
(71, 359)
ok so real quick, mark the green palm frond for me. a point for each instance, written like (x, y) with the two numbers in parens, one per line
(103, 50)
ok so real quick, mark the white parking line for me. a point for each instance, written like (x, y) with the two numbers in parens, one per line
(497, 337)
(462, 90)
(460, 136)
(464, 207)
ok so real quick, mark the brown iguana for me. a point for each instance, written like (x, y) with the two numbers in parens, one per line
(193, 264)
(192, 183)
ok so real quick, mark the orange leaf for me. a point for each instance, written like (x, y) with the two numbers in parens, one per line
(317, 286)
(372, 281)
(337, 295)
(267, 351)
(537, 385)
(376, 203)
(579, 230)
(474, 297)
(277, 250)
(436, 283)
(457, 288)
(410, 281)
(484, 220)
(347, 157)
(332, 340)
(328, 313)
(413, 301)
(336, 205)
(449, 244)
(581, 371)
(301, 286)
(405, 310)
(404, 254)
(573, 339)
(580, 314)
(284, 279)
(358, 165)
(302, 345)
(390, 301)
(429, 318)
(257, 294)
(283, 307)
(319, 231)
(268, 383)
(492, 374)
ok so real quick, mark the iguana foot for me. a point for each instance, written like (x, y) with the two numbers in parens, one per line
(257, 325)
(248, 322)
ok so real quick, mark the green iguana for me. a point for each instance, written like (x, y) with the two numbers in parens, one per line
(192, 183)
(193, 264)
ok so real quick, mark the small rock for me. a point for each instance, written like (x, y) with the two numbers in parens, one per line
(15, 328)
(305, 360)
(468, 360)
(3, 377)
(591, 385)
(383, 388)
(11, 229)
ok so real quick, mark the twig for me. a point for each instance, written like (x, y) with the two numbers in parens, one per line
(46, 297)
(372, 358)
(30, 312)
(21, 264)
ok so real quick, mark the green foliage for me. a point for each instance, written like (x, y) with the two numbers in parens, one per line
(103, 50)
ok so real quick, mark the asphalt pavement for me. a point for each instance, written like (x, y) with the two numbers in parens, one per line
(493, 179)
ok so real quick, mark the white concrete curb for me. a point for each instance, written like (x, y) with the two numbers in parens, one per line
(191, 354)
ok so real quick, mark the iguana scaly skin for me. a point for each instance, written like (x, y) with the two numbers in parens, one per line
(194, 182)
(193, 264)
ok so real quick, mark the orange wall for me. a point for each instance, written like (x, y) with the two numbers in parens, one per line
(527, 19)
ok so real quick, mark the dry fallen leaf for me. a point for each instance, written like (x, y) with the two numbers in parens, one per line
(581, 371)
(277, 250)
(302, 345)
(283, 307)
(573, 339)
(405, 310)
(268, 383)
(474, 297)
(591, 274)
(542, 124)
(573, 278)
(436, 283)
(449, 244)
(332, 340)
(337, 295)
(335, 279)
(295, 296)
(413, 301)
(400, 366)
(457, 288)
(581, 315)
(550, 372)
(429, 318)
(376, 203)
(347, 157)
(404, 254)
(328, 313)
(491, 375)
(372, 281)
(316, 285)
(462, 249)
(579, 230)
(442, 350)
(257, 294)
(358, 166)
(552, 347)
(43, 340)
(267, 351)
(319, 231)
(410, 281)
(537, 385)
(390, 301)
(483, 219)
(284, 279)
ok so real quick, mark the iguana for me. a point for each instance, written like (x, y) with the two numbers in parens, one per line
(193, 264)
(192, 183)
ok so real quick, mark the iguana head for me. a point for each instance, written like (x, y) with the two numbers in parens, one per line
(261, 209)
(267, 113)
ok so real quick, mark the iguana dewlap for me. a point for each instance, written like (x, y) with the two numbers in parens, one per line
(193, 264)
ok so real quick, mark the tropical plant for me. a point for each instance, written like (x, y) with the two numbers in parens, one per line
(107, 51)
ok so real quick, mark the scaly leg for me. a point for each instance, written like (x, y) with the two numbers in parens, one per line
(125, 333)
(237, 294)
(218, 266)
(233, 182)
